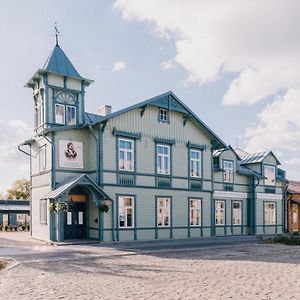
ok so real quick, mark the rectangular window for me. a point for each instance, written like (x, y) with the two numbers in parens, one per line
(126, 155)
(269, 172)
(270, 213)
(43, 211)
(71, 115)
(163, 159)
(237, 213)
(195, 212)
(228, 171)
(42, 158)
(126, 212)
(220, 212)
(60, 113)
(195, 163)
(163, 115)
(163, 212)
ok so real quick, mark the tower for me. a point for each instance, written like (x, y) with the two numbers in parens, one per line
(58, 93)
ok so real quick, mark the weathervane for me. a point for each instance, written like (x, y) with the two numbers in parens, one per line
(57, 32)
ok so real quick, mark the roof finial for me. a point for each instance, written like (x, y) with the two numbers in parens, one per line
(56, 33)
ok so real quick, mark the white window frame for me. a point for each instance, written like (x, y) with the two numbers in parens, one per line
(270, 181)
(272, 214)
(43, 211)
(194, 162)
(67, 113)
(123, 209)
(163, 212)
(219, 211)
(239, 213)
(195, 212)
(163, 115)
(161, 169)
(228, 171)
(127, 164)
(63, 121)
(42, 158)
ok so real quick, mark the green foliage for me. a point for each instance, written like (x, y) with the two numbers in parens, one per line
(19, 190)
(287, 239)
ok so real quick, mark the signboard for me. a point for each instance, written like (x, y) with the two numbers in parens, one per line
(70, 154)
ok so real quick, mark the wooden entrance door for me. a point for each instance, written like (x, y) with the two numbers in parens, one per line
(295, 217)
(75, 221)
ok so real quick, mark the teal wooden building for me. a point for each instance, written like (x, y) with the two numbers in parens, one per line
(158, 169)
(14, 212)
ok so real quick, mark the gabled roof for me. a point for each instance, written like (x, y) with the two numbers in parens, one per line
(257, 157)
(170, 101)
(59, 63)
(70, 182)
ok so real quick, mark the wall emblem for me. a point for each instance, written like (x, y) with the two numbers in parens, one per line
(70, 154)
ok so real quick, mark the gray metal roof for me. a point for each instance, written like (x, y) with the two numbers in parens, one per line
(248, 172)
(257, 157)
(14, 205)
(71, 182)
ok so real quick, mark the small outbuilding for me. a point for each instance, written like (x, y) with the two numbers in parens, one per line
(14, 212)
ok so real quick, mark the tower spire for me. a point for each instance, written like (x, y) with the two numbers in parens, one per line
(57, 33)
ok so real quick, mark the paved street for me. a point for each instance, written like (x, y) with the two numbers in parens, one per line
(218, 268)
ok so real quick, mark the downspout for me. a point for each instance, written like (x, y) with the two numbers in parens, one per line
(51, 142)
(285, 207)
(254, 204)
(97, 151)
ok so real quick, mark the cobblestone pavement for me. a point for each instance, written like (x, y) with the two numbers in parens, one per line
(241, 272)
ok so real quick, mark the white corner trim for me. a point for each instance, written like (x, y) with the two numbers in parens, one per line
(232, 195)
(264, 196)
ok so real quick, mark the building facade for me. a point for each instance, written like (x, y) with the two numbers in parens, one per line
(150, 171)
(293, 206)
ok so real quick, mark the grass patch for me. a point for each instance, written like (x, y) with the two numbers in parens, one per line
(293, 239)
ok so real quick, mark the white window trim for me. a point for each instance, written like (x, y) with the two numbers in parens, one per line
(163, 113)
(162, 155)
(195, 213)
(42, 158)
(240, 212)
(224, 177)
(43, 211)
(224, 212)
(165, 208)
(121, 198)
(274, 213)
(126, 162)
(273, 184)
(194, 162)
(66, 114)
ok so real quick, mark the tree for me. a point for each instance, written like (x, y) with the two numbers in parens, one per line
(20, 189)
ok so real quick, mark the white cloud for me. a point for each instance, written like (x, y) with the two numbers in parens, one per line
(13, 163)
(257, 41)
(278, 125)
(118, 66)
(295, 161)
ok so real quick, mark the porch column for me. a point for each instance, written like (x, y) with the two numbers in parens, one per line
(60, 226)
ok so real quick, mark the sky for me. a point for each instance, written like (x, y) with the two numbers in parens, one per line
(235, 63)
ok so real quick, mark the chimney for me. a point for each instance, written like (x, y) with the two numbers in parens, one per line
(104, 110)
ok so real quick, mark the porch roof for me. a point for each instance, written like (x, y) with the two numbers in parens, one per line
(69, 183)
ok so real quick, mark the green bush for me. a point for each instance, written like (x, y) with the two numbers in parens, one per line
(287, 239)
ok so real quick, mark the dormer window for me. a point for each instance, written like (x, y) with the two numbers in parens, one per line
(228, 171)
(269, 172)
(163, 115)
